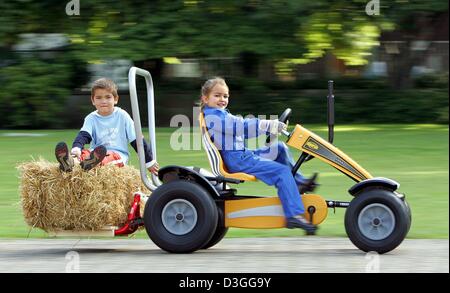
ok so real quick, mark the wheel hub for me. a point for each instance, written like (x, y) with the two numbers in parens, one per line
(376, 221)
(179, 216)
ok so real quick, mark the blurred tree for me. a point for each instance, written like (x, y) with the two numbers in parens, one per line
(285, 32)
(416, 23)
(280, 30)
(27, 16)
(33, 94)
(153, 29)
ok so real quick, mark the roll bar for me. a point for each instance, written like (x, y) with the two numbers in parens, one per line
(137, 123)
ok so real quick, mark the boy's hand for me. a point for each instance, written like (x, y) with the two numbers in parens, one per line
(154, 168)
(76, 152)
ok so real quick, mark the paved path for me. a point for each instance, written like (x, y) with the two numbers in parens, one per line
(234, 255)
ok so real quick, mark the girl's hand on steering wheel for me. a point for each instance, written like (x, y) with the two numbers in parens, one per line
(272, 126)
(277, 126)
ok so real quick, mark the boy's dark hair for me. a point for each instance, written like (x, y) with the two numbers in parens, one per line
(104, 83)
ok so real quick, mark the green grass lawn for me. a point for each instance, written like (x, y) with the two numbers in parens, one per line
(414, 155)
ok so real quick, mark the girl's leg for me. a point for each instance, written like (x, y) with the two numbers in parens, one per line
(280, 152)
(271, 173)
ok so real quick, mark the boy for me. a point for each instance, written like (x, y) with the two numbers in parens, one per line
(108, 130)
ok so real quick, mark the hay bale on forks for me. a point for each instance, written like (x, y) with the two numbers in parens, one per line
(53, 200)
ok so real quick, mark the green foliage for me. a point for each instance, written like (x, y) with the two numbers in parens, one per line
(282, 31)
(33, 93)
(358, 100)
(142, 30)
(354, 106)
(400, 11)
(432, 81)
(300, 30)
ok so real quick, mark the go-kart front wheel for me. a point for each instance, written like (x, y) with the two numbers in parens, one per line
(180, 216)
(377, 220)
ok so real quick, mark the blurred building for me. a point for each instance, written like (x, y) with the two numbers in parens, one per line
(116, 70)
(426, 53)
(47, 44)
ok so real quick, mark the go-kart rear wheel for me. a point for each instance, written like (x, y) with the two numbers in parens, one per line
(217, 237)
(220, 232)
(377, 220)
(180, 216)
(408, 212)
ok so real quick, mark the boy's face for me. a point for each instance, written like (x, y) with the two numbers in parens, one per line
(104, 101)
(218, 97)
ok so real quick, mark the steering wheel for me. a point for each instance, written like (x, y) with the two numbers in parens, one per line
(283, 118)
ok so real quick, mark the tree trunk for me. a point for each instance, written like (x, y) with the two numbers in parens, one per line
(401, 64)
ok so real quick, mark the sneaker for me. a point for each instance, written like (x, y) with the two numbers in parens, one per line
(63, 157)
(309, 185)
(95, 158)
(300, 222)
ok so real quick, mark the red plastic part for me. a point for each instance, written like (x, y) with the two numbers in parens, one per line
(134, 220)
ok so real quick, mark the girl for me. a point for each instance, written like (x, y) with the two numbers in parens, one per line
(228, 133)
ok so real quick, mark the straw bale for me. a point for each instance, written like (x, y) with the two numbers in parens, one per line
(78, 200)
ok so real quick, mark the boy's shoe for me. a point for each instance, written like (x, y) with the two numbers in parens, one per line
(309, 185)
(63, 157)
(300, 222)
(95, 158)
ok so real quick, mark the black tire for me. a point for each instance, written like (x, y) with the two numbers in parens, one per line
(408, 212)
(196, 203)
(217, 237)
(220, 232)
(366, 231)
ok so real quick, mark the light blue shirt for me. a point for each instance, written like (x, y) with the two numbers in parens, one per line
(114, 131)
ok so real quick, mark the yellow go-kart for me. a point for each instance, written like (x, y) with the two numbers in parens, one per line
(191, 208)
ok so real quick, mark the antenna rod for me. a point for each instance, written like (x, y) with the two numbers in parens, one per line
(330, 116)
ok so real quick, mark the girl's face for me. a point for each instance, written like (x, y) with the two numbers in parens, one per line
(104, 101)
(218, 97)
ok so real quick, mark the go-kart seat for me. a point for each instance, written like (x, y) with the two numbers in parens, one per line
(215, 159)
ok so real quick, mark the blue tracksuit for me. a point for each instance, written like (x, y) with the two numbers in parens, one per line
(271, 165)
